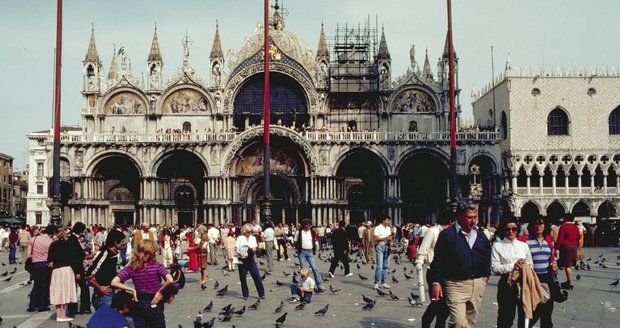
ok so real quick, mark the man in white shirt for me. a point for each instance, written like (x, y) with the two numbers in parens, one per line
(214, 237)
(382, 236)
(268, 238)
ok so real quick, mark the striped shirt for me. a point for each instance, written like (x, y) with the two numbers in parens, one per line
(147, 280)
(541, 252)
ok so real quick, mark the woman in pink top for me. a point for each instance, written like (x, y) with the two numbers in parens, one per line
(38, 248)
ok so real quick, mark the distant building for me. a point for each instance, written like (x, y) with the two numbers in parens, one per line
(560, 132)
(6, 184)
(20, 194)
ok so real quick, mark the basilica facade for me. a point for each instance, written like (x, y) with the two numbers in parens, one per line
(350, 141)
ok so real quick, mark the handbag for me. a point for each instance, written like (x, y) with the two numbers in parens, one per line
(28, 266)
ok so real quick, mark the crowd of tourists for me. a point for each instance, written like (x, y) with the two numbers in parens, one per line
(82, 268)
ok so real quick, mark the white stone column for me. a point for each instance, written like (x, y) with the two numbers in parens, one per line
(579, 182)
(540, 183)
(514, 184)
(554, 182)
(605, 175)
(529, 176)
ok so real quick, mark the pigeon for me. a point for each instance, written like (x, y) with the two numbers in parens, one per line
(604, 266)
(372, 267)
(393, 271)
(322, 311)
(380, 293)
(255, 305)
(216, 285)
(393, 297)
(280, 320)
(227, 312)
(226, 317)
(8, 279)
(209, 323)
(227, 308)
(267, 273)
(394, 280)
(261, 262)
(369, 306)
(615, 283)
(222, 292)
(203, 286)
(358, 266)
(286, 274)
(3, 264)
(279, 283)
(14, 270)
(240, 312)
(333, 290)
(362, 277)
(74, 326)
(208, 307)
(301, 306)
(6, 273)
(578, 277)
(413, 302)
(407, 276)
(366, 299)
(296, 264)
(280, 307)
(414, 296)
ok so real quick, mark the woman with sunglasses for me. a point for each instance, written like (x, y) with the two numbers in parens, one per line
(509, 254)
(542, 249)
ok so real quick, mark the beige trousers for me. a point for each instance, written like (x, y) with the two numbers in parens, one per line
(464, 298)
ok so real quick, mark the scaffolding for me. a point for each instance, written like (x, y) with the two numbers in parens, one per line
(354, 78)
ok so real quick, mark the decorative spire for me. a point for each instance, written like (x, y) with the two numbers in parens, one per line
(186, 42)
(426, 71)
(91, 54)
(508, 66)
(113, 66)
(446, 48)
(216, 50)
(322, 52)
(384, 53)
(155, 54)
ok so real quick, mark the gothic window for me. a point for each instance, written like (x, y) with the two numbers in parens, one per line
(413, 126)
(557, 123)
(504, 126)
(90, 71)
(187, 127)
(614, 122)
(352, 126)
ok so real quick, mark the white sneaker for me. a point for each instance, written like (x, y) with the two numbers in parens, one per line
(386, 286)
(348, 274)
(331, 275)
(377, 286)
(63, 319)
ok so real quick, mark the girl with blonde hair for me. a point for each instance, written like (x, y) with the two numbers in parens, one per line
(146, 274)
(201, 248)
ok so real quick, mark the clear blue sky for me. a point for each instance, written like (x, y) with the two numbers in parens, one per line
(551, 33)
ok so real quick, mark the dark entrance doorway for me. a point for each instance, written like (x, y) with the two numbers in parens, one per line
(184, 201)
(123, 218)
(283, 207)
(357, 204)
(423, 181)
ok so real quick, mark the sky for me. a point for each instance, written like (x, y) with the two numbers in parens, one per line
(551, 33)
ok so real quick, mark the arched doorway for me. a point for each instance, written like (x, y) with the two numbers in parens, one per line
(607, 210)
(363, 174)
(181, 175)
(121, 181)
(424, 187)
(287, 102)
(581, 209)
(529, 211)
(555, 211)
(284, 202)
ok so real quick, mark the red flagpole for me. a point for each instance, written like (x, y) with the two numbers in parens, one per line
(453, 175)
(266, 215)
(55, 208)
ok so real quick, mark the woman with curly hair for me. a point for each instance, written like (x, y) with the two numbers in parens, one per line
(146, 274)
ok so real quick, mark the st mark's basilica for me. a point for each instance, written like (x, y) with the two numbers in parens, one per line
(350, 140)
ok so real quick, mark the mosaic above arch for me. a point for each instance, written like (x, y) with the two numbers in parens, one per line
(250, 161)
(414, 100)
(185, 101)
(125, 103)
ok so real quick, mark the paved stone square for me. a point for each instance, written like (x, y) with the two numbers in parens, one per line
(591, 304)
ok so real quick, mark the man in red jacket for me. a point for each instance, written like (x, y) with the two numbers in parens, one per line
(567, 243)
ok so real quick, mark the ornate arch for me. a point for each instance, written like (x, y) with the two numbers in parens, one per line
(420, 86)
(437, 152)
(244, 138)
(382, 160)
(559, 201)
(252, 183)
(166, 153)
(236, 81)
(125, 88)
(484, 153)
(91, 164)
(586, 201)
(185, 84)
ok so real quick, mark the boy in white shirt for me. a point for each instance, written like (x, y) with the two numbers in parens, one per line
(303, 291)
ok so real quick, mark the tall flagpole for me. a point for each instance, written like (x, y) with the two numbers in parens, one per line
(55, 206)
(454, 189)
(266, 215)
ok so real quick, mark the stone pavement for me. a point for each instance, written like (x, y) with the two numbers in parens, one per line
(591, 304)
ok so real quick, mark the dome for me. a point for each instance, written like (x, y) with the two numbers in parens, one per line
(287, 42)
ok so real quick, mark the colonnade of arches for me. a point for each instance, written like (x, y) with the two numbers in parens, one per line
(557, 209)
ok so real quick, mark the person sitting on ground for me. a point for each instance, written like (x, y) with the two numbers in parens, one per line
(303, 291)
(114, 316)
(178, 277)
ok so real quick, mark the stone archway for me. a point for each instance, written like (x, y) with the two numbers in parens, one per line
(529, 211)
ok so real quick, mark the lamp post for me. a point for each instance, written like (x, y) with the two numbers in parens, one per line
(266, 206)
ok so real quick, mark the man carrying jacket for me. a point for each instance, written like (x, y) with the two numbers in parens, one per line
(305, 245)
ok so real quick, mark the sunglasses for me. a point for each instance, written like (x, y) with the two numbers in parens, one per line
(513, 229)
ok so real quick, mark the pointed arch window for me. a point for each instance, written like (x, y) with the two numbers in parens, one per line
(614, 122)
(557, 123)
(187, 127)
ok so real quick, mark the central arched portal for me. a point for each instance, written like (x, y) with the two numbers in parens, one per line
(289, 180)
(121, 181)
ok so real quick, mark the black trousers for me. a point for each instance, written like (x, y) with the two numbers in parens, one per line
(340, 257)
(508, 304)
(72, 308)
(544, 311)
(435, 310)
(282, 243)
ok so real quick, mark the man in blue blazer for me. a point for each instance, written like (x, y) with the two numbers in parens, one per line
(463, 265)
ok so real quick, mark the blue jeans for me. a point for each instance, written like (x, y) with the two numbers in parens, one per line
(145, 316)
(296, 291)
(12, 248)
(39, 296)
(124, 255)
(100, 299)
(382, 252)
(244, 268)
(306, 258)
